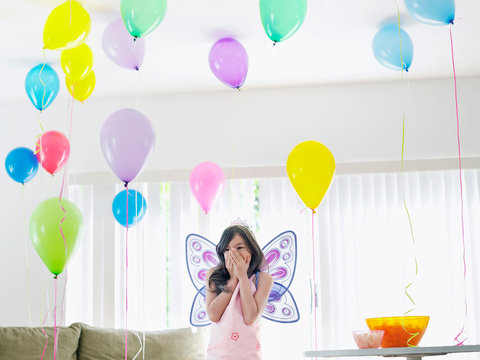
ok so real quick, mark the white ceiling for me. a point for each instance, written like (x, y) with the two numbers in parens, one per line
(332, 46)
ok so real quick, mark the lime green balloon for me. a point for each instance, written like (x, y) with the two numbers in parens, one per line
(141, 17)
(46, 236)
(282, 18)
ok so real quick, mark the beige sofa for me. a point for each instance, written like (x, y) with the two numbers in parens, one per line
(82, 342)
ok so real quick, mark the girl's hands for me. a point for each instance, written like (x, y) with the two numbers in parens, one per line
(229, 265)
(240, 264)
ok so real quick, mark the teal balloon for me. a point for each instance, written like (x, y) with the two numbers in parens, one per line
(42, 85)
(141, 17)
(44, 229)
(137, 207)
(393, 48)
(432, 12)
(282, 18)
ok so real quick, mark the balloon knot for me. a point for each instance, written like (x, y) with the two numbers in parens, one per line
(55, 277)
(313, 211)
(274, 43)
(136, 68)
(134, 38)
(238, 88)
(126, 184)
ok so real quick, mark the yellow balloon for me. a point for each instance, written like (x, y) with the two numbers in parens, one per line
(77, 62)
(82, 89)
(67, 26)
(310, 168)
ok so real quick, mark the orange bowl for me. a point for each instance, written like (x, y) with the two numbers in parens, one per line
(399, 329)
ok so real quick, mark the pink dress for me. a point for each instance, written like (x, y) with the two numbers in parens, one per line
(231, 338)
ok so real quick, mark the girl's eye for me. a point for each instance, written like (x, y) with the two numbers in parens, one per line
(226, 250)
(240, 248)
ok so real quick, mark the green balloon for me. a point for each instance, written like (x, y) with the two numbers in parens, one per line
(282, 18)
(141, 17)
(46, 236)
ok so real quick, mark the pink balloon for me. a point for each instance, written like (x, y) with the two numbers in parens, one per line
(121, 47)
(229, 62)
(127, 139)
(206, 182)
(53, 150)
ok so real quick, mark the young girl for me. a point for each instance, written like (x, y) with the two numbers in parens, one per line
(236, 297)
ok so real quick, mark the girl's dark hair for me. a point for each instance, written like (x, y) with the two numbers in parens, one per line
(220, 275)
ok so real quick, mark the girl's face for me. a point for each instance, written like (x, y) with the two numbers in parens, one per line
(238, 243)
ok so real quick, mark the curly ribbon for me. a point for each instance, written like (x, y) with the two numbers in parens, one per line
(40, 120)
(41, 81)
(64, 178)
(44, 333)
(126, 279)
(460, 342)
(414, 334)
(141, 345)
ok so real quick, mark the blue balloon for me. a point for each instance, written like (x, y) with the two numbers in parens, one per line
(137, 206)
(388, 49)
(432, 12)
(21, 164)
(41, 85)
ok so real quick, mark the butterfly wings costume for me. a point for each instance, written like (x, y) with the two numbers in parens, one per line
(281, 257)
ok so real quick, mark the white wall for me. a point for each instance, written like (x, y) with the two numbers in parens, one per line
(359, 122)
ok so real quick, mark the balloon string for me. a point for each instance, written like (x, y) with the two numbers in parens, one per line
(38, 138)
(64, 212)
(38, 146)
(126, 279)
(44, 333)
(40, 78)
(141, 345)
(461, 196)
(27, 267)
(64, 178)
(55, 320)
(70, 21)
(414, 334)
(400, 39)
(315, 299)
(71, 114)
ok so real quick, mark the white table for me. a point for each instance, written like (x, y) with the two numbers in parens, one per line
(411, 353)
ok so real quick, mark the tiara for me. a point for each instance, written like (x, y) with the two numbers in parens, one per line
(241, 222)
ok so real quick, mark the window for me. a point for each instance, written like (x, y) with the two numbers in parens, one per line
(364, 254)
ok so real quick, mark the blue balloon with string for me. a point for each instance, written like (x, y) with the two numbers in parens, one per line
(21, 164)
(42, 85)
(137, 207)
(432, 12)
(393, 47)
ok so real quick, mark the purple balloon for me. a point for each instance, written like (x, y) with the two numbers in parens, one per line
(121, 47)
(127, 139)
(229, 62)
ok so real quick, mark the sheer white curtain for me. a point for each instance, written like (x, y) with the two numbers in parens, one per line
(365, 255)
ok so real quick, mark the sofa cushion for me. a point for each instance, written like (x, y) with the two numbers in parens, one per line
(109, 344)
(27, 343)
